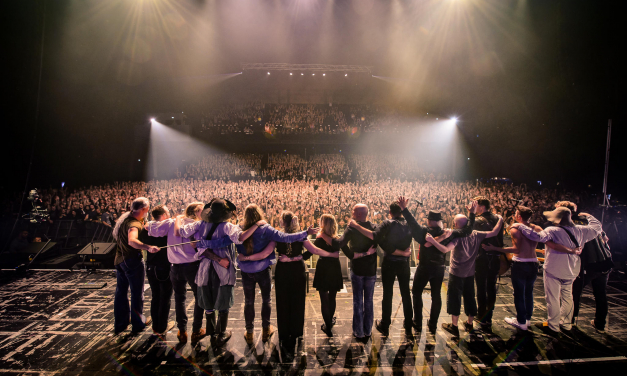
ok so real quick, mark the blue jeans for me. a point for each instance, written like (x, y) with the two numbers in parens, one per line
(363, 310)
(264, 280)
(130, 274)
(524, 275)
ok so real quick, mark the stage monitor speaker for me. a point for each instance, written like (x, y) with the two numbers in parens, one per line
(100, 251)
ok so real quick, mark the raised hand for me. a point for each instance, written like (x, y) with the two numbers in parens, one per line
(402, 202)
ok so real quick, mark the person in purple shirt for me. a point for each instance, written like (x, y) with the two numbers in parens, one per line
(259, 271)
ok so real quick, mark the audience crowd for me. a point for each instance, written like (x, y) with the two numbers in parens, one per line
(275, 119)
(307, 187)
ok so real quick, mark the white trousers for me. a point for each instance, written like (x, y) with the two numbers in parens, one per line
(559, 301)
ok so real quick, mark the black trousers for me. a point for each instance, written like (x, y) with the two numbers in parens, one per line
(181, 275)
(291, 290)
(161, 286)
(599, 290)
(459, 287)
(486, 274)
(434, 275)
(390, 270)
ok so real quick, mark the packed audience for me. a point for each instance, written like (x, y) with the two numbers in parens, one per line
(273, 119)
(309, 199)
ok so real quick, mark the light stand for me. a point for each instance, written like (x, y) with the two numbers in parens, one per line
(606, 201)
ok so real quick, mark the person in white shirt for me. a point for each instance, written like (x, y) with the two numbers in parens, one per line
(561, 268)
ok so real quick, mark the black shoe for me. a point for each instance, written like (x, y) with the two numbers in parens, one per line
(486, 326)
(469, 327)
(384, 331)
(417, 326)
(453, 329)
(222, 338)
(326, 330)
(432, 328)
(409, 333)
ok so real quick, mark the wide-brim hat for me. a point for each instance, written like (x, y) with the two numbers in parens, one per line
(217, 210)
(560, 216)
(434, 215)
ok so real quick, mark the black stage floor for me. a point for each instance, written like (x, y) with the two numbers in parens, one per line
(49, 325)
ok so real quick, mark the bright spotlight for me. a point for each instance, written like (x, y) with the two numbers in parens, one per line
(313, 74)
(302, 74)
(268, 72)
(324, 74)
(153, 119)
(290, 74)
(454, 119)
(346, 75)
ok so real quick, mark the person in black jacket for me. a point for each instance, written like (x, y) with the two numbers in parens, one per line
(393, 236)
(596, 266)
(361, 250)
(158, 273)
(488, 263)
(431, 264)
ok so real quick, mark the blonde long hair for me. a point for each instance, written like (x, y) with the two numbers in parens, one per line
(328, 224)
(252, 215)
(289, 222)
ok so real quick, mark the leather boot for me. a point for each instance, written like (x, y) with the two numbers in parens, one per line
(223, 335)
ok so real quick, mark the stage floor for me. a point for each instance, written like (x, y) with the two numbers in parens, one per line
(48, 325)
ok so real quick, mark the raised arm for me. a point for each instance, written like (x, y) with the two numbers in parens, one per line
(592, 230)
(417, 231)
(440, 247)
(258, 256)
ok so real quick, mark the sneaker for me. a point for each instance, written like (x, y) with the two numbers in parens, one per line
(197, 336)
(267, 333)
(453, 329)
(597, 329)
(514, 322)
(249, 338)
(384, 331)
(468, 327)
(182, 336)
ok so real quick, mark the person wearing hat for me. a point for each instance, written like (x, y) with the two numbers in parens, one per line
(216, 273)
(431, 264)
(561, 268)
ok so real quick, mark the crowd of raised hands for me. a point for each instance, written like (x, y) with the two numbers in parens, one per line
(308, 199)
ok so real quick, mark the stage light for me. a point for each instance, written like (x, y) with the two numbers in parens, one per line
(324, 74)
(290, 74)
(268, 72)
(313, 74)
(172, 117)
(139, 160)
(302, 74)
(346, 75)
(454, 119)
(153, 119)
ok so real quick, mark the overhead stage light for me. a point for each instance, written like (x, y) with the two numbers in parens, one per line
(153, 119)
(302, 74)
(268, 72)
(290, 74)
(324, 74)
(346, 75)
(313, 74)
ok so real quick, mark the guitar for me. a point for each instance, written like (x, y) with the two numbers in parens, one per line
(506, 262)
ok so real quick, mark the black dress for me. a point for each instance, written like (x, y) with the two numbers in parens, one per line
(291, 288)
(328, 270)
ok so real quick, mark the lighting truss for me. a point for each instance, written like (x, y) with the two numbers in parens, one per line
(307, 67)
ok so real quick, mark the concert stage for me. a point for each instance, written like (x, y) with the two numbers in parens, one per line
(60, 322)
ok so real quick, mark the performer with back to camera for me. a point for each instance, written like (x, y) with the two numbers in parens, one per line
(130, 269)
(561, 268)
(524, 267)
(394, 237)
(431, 261)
